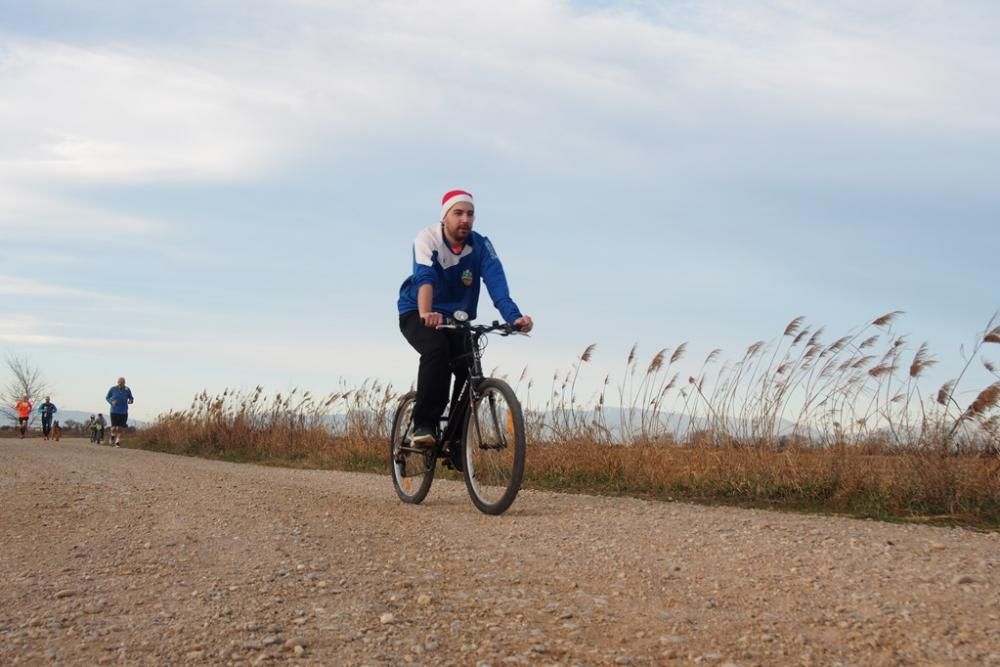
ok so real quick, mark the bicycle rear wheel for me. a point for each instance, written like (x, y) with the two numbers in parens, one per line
(412, 468)
(494, 447)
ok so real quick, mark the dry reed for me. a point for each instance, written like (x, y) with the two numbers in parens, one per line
(839, 426)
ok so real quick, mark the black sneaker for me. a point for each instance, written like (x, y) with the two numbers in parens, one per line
(422, 437)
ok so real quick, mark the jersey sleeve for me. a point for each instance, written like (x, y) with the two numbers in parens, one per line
(423, 260)
(496, 283)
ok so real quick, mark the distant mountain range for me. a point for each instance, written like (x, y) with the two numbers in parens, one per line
(622, 422)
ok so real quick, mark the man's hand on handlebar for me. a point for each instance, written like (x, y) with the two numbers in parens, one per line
(524, 324)
(432, 319)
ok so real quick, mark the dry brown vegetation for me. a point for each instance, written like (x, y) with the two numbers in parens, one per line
(844, 426)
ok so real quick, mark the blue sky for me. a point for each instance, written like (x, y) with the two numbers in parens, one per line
(200, 197)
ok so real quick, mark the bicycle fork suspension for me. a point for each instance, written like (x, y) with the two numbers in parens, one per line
(501, 433)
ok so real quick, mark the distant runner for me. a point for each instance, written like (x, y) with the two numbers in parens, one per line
(99, 425)
(23, 408)
(119, 397)
(46, 410)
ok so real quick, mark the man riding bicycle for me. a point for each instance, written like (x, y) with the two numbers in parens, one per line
(449, 260)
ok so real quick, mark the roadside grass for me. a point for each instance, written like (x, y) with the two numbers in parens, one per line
(801, 425)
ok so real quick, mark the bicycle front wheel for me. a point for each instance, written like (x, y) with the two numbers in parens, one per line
(494, 447)
(412, 469)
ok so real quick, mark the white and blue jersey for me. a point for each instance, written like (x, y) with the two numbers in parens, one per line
(455, 276)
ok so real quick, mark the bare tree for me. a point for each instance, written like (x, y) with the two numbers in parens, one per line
(26, 380)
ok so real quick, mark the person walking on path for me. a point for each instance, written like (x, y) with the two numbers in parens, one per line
(46, 410)
(92, 425)
(119, 397)
(23, 408)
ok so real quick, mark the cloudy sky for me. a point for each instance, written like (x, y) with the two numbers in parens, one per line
(200, 195)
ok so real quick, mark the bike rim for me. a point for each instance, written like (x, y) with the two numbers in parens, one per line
(408, 468)
(491, 447)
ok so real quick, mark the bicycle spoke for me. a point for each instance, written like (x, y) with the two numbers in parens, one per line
(494, 465)
(412, 473)
(501, 439)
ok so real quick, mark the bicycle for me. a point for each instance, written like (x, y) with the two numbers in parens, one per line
(483, 431)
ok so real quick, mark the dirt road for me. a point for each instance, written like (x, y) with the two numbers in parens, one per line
(118, 556)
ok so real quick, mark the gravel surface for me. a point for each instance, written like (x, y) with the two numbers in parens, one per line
(119, 556)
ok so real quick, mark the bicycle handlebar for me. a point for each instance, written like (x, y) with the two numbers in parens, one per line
(503, 328)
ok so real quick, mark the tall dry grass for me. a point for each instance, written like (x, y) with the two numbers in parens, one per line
(845, 425)
(863, 388)
(347, 428)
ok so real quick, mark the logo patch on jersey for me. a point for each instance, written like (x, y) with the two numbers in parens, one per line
(467, 277)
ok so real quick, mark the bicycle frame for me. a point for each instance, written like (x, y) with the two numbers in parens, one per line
(451, 431)
(483, 436)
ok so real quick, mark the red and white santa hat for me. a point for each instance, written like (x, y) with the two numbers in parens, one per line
(454, 197)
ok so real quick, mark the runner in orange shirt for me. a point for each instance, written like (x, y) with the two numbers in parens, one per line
(23, 408)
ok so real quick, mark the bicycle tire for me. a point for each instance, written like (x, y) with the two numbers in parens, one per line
(412, 472)
(494, 447)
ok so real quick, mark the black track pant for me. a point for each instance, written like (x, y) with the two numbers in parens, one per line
(46, 426)
(437, 349)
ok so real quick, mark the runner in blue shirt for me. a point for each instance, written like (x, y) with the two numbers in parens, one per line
(46, 410)
(119, 397)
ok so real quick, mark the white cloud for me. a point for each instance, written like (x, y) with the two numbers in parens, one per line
(522, 78)
(38, 291)
(30, 330)
(904, 65)
(32, 213)
(122, 115)
(34, 331)
(257, 357)
(880, 68)
(12, 285)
